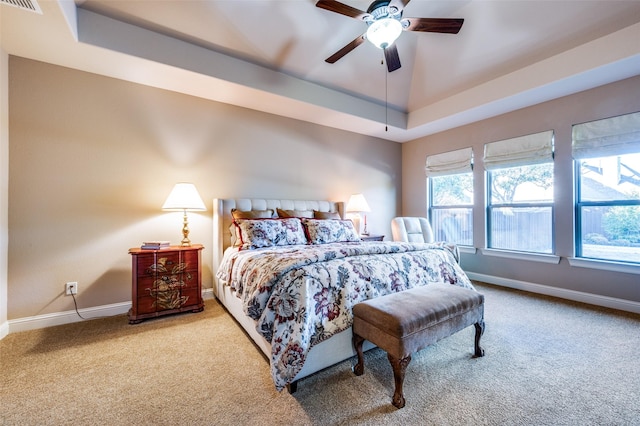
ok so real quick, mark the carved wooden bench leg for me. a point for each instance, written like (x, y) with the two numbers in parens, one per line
(399, 367)
(479, 352)
(292, 387)
(358, 369)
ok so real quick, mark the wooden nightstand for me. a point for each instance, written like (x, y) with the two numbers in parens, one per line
(372, 237)
(165, 281)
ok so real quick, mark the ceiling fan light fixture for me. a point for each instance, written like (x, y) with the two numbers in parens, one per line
(382, 33)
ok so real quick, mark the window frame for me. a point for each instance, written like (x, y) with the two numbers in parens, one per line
(578, 204)
(450, 163)
(601, 138)
(490, 206)
(521, 151)
(431, 207)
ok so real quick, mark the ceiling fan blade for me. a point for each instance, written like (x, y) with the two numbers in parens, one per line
(341, 8)
(434, 25)
(392, 58)
(348, 48)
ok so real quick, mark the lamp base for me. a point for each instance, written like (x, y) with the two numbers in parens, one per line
(356, 219)
(365, 231)
(186, 242)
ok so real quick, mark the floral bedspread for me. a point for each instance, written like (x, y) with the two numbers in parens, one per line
(302, 295)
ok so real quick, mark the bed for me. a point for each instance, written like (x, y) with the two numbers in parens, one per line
(289, 272)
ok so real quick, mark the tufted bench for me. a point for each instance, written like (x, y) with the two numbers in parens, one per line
(406, 322)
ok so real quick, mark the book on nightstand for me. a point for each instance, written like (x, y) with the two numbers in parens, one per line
(155, 245)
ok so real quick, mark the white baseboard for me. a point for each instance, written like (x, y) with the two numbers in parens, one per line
(577, 296)
(207, 293)
(68, 317)
(4, 329)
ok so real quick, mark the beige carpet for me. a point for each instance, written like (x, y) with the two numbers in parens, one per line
(547, 362)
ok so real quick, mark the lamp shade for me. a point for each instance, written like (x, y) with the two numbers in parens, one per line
(184, 196)
(383, 32)
(357, 203)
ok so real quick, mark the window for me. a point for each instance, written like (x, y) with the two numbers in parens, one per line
(520, 193)
(607, 164)
(450, 186)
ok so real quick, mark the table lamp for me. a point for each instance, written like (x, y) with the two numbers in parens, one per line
(357, 204)
(184, 196)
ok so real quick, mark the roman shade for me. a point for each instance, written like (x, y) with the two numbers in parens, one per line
(448, 163)
(536, 148)
(610, 136)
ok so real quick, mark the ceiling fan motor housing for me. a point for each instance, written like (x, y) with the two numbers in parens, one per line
(380, 9)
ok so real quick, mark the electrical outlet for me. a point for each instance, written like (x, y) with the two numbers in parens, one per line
(71, 288)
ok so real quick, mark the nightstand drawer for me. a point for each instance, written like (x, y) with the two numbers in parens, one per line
(191, 294)
(144, 284)
(158, 262)
(191, 259)
(145, 304)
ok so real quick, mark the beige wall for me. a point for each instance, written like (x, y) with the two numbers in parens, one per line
(558, 115)
(92, 159)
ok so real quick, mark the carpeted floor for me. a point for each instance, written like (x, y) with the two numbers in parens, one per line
(548, 362)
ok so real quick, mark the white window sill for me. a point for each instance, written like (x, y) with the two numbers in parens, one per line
(606, 265)
(467, 249)
(532, 257)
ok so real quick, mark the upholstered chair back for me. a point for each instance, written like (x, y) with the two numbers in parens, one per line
(411, 229)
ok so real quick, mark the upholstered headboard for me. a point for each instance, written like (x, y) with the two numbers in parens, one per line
(222, 218)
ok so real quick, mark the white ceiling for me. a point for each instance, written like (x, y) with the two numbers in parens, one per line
(269, 55)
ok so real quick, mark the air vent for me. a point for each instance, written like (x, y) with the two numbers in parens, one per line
(30, 5)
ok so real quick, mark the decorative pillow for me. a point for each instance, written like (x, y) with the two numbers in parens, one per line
(249, 214)
(270, 232)
(295, 213)
(233, 230)
(252, 214)
(329, 231)
(326, 215)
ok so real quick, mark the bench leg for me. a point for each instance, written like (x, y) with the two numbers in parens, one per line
(358, 369)
(292, 387)
(479, 352)
(399, 367)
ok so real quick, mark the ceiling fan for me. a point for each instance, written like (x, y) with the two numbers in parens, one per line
(385, 24)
